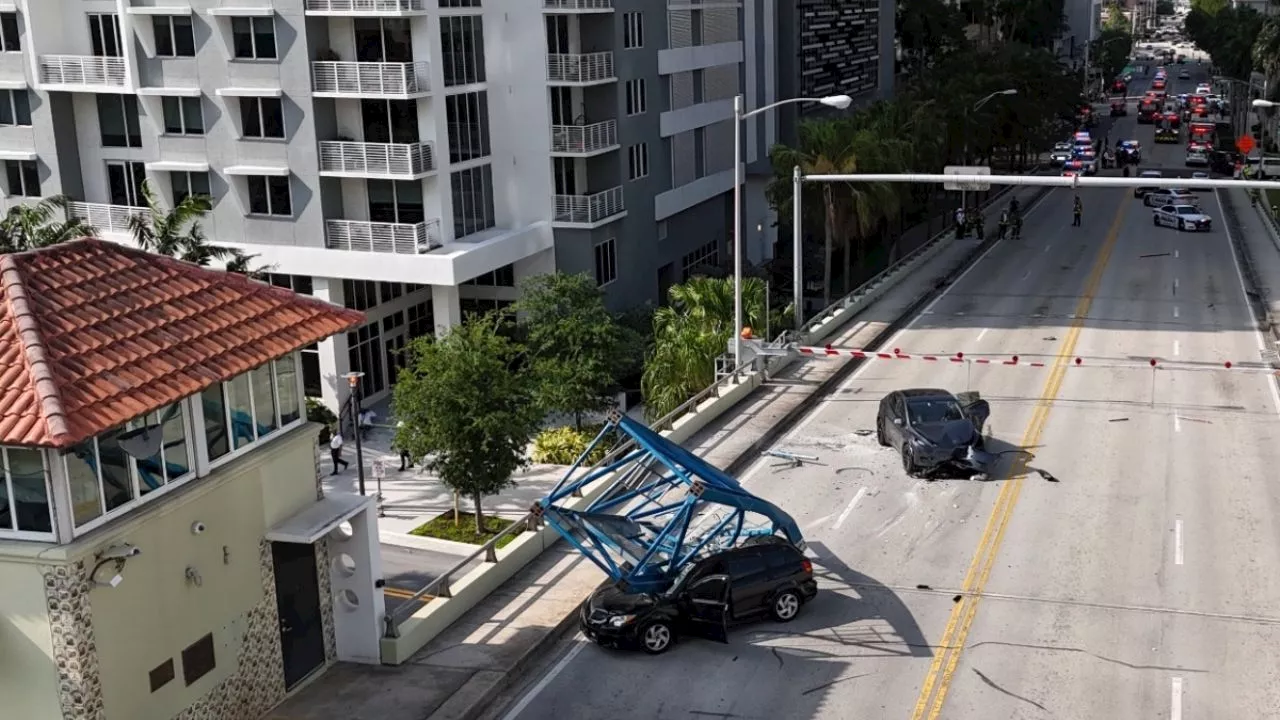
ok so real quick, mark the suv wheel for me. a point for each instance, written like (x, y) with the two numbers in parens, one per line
(908, 461)
(880, 436)
(786, 606)
(1155, 220)
(1182, 226)
(656, 637)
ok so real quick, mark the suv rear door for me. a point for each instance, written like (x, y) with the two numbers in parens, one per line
(749, 583)
(706, 610)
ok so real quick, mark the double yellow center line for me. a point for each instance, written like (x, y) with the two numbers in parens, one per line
(934, 691)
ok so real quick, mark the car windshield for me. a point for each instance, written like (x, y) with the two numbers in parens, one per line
(924, 411)
(1186, 210)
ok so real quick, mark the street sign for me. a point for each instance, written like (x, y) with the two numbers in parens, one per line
(379, 470)
(964, 170)
(1245, 144)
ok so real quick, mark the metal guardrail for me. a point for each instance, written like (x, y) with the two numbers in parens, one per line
(365, 6)
(587, 209)
(370, 79)
(405, 160)
(583, 139)
(83, 70)
(382, 237)
(578, 5)
(105, 217)
(439, 587)
(583, 68)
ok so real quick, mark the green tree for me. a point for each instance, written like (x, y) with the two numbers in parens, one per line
(574, 343)
(692, 331)
(928, 30)
(177, 232)
(1110, 52)
(29, 227)
(468, 406)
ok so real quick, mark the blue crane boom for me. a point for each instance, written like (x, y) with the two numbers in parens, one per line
(665, 508)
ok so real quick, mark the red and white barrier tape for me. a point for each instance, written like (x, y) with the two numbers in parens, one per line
(1020, 361)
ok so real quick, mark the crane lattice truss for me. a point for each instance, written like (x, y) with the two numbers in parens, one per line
(664, 508)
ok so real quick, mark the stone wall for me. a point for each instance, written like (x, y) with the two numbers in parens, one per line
(66, 590)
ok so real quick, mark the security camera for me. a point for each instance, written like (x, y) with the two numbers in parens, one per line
(197, 528)
(120, 552)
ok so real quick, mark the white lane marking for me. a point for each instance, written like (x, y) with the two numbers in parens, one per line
(1176, 700)
(1177, 541)
(983, 333)
(536, 690)
(1244, 295)
(862, 491)
(1175, 285)
(1175, 347)
(1175, 311)
(817, 522)
(1177, 422)
(1175, 254)
(893, 341)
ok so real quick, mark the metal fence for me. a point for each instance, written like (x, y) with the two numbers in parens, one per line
(82, 70)
(379, 159)
(382, 237)
(587, 209)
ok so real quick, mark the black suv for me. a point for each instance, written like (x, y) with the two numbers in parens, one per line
(767, 576)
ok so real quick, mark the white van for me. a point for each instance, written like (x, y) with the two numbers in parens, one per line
(1269, 166)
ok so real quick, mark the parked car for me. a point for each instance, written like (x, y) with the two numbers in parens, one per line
(765, 577)
(1171, 196)
(1140, 192)
(1183, 217)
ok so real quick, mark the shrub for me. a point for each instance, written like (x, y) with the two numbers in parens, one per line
(318, 413)
(564, 445)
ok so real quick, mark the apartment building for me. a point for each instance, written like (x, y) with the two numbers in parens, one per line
(416, 159)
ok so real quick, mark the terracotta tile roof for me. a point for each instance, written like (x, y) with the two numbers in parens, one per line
(93, 334)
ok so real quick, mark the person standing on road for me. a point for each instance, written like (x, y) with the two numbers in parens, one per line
(335, 452)
(1075, 212)
(960, 227)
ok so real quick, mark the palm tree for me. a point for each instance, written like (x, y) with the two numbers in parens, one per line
(28, 227)
(691, 332)
(177, 232)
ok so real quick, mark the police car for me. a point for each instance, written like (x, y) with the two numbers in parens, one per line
(1182, 217)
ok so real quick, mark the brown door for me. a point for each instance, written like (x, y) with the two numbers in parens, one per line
(298, 600)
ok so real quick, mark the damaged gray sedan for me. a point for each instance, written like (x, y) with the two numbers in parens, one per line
(937, 433)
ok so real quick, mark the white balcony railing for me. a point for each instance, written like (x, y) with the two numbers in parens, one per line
(355, 7)
(592, 67)
(589, 209)
(82, 70)
(103, 217)
(365, 159)
(381, 237)
(578, 5)
(370, 79)
(584, 139)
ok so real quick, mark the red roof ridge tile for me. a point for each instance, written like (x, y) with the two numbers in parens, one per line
(38, 368)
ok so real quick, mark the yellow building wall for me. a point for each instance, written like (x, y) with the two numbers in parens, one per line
(28, 679)
(158, 610)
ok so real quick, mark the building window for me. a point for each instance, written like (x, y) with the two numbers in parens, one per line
(364, 354)
(251, 407)
(24, 492)
(118, 121)
(254, 38)
(183, 115)
(638, 161)
(392, 321)
(632, 30)
(707, 255)
(468, 120)
(395, 201)
(504, 276)
(262, 118)
(359, 294)
(269, 195)
(175, 35)
(606, 262)
(462, 49)
(9, 38)
(126, 183)
(161, 675)
(103, 478)
(459, 3)
(300, 284)
(104, 34)
(24, 179)
(15, 108)
(186, 184)
(421, 320)
(311, 385)
(472, 192)
(390, 291)
(636, 97)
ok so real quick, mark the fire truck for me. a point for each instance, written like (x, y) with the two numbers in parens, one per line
(1148, 109)
(1201, 134)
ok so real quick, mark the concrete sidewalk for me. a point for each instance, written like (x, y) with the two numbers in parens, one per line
(1257, 239)
(467, 668)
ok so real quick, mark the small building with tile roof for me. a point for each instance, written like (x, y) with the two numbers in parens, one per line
(165, 545)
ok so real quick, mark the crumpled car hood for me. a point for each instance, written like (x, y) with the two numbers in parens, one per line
(949, 435)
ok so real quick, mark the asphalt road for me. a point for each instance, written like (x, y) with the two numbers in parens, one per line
(407, 570)
(1129, 571)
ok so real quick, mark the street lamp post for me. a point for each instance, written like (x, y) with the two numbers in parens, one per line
(976, 107)
(353, 381)
(839, 102)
